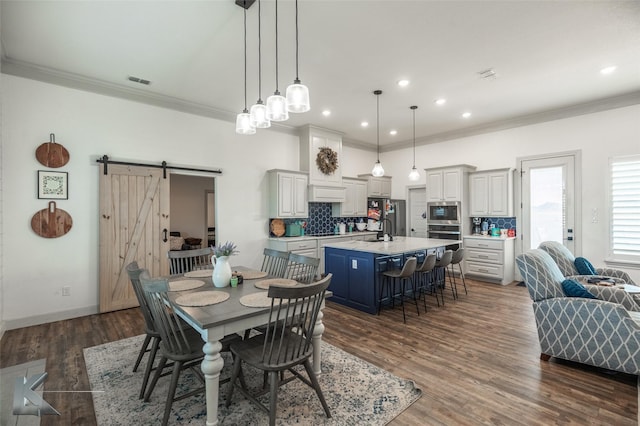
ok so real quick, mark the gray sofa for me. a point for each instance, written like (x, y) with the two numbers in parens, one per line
(590, 331)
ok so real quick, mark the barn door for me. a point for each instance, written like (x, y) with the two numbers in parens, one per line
(134, 224)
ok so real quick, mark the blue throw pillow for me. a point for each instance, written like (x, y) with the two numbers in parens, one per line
(573, 288)
(584, 267)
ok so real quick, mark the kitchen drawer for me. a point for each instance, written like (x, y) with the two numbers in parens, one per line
(301, 245)
(487, 270)
(490, 256)
(308, 252)
(483, 243)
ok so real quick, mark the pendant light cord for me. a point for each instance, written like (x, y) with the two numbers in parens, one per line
(259, 53)
(414, 136)
(297, 80)
(378, 126)
(277, 91)
(245, 57)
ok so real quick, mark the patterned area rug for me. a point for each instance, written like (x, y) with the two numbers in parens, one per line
(356, 392)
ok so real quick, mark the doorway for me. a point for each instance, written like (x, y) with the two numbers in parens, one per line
(550, 207)
(192, 206)
(418, 211)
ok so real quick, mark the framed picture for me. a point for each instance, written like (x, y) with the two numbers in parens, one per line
(53, 185)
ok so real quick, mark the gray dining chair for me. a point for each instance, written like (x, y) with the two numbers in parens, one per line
(275, 262)
(303, 269)
(286, 343)
(181, 261)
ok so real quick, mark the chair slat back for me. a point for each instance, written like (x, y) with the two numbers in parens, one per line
(181, 261)
(134, 272)
(275, 262)
(164, 315)
(294, 312)
(302, 268)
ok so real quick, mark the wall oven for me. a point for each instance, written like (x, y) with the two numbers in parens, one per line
(443, 213)
(446, 232)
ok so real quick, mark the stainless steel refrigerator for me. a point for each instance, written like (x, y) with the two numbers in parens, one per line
(391, 213)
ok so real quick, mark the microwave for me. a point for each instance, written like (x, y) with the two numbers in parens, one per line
(444, 212)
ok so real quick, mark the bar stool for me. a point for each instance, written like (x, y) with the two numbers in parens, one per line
(424, 274)
(442, 269)
(456, 259)
(404, 275)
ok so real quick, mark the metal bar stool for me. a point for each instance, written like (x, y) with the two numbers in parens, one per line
(404, 275)
(456, 259)
(424, 275)
(442, 269)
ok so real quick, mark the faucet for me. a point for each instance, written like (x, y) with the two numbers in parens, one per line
(381, 232)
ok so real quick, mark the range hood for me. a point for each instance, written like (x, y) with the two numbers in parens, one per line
(324, 187)
(327, 194)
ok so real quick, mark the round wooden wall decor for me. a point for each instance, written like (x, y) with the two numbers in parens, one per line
(52, 154)
(327, 160)
(51, 222)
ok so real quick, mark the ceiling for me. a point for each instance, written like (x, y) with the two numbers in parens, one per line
(546, 56)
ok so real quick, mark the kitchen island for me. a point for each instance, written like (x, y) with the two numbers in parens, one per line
(356, 266)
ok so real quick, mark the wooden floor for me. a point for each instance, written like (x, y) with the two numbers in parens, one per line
(476, 360)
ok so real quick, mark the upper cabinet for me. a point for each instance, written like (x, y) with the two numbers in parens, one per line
(355, 204)
(321, 155)
(287, 194)
(491, 193)
(447, 183)
(378, 186)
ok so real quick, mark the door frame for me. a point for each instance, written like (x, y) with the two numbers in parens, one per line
(577, 176)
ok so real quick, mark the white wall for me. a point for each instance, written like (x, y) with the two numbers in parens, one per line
(599, 136)
(91, 125)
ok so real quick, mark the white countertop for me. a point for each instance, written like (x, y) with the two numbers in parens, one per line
(319, 237)
(488, 237)
(397, 246)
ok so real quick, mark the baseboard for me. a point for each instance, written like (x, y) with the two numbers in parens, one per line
(52, 317)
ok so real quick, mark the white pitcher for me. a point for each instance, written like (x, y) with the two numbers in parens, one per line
(221, 271)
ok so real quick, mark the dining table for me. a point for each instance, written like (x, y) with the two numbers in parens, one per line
(218, 320)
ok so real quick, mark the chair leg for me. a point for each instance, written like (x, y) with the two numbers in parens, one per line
(404, 316)
(413, 290)
(232, 381)
(452, 281)
(177, 367)
(143, 349)
(464, 284)
(423, 289)
(273, 397)
(156, 376)
(316, 387)
(149, 367)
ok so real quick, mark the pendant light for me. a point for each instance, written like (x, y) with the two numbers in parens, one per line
(414, 175)
(243, 120)
(297, 93)
(377, 171)
(276, 103)
(259, 109)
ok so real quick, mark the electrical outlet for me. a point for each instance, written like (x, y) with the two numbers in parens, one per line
(594, 215)
(66, 290)
(354, 264)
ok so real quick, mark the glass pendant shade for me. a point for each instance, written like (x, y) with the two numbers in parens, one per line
(414, 175)
(277, 108)
(259, 118)
(377, 171)
(298, 97)
(243, 124)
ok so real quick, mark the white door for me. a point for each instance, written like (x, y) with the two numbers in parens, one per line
(418, 212)
(549, 203)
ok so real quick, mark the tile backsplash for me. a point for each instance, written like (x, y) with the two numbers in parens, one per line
(320, 220)
(500, 222)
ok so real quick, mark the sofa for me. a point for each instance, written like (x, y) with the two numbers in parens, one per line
(590, 331)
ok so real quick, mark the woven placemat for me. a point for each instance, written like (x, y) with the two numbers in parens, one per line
(182, 285)
(264, 284)
(202, 298)
(256, 300)
(201, 273)
(253, 274)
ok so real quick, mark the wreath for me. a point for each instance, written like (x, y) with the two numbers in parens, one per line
(327, 160)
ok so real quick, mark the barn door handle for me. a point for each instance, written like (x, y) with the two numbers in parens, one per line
(164, 231)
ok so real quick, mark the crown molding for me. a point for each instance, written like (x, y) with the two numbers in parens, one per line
(80, 82)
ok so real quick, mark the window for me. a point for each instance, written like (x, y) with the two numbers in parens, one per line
(625, 208)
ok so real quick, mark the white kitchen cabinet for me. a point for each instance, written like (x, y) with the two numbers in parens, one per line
(490, 259)
(288, 194)
(447, 183)
(491, 193)
(355, 204)
(379, 187)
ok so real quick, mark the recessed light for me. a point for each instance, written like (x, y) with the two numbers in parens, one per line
(393, 132)
(466, 114)
(608, 70)
(326, 113)
(403, 83)
(364, 124)
(441, 101)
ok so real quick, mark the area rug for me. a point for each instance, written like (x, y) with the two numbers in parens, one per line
(357, 392)
(8, 378)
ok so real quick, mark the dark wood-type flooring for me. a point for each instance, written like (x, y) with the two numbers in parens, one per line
(476, 360)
